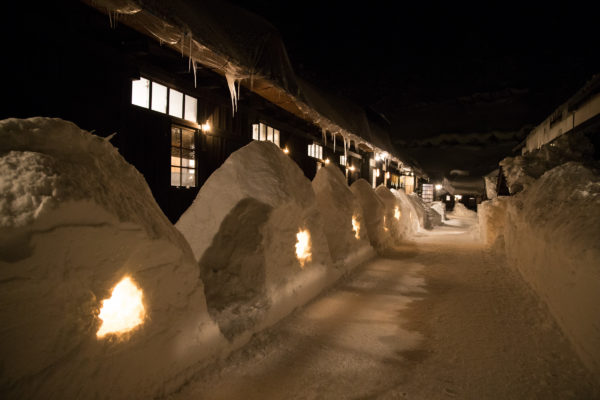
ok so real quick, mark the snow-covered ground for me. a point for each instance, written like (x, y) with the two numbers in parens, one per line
(439, 317)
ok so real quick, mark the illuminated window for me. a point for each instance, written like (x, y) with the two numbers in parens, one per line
(175, 103)
(191, 108)
(183, 157)
(159, 97)
(148, 94)
(140, 92)
(264, 133)
(315, 151)
(343, 160)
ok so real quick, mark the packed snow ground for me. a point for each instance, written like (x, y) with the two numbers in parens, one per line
(440, 317)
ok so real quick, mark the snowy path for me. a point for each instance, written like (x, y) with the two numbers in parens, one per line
(436, 319)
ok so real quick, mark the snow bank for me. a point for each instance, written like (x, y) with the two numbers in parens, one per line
(421, 215)
(342, 217)
(491, 182)
(75, 218)
(522, 171)
(393, 222)
(440, 208)
(373, 212)
(462, 212)
(244, 228)
(550, 233)
(491, 215)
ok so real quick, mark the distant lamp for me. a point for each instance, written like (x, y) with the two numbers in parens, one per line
(438, 187)
(457, 197)
(327, 161)
(351, 168)
(206, 127)
(286, 150)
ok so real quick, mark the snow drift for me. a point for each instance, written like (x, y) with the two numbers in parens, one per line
(343, 220)
(75, 219)
(550, 232)
(373, 212)
(245, 227)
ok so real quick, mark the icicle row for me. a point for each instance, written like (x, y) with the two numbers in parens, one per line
(324, 133)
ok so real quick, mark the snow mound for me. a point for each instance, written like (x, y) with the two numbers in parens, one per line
(244, 228)
(342, 214)
(440, 208)
(410, 215)
(421, 215)
(461, 211)
(522, 171)
(491, 181)
(373, 212)
(75, 219)
(550, 233)
(394, 224)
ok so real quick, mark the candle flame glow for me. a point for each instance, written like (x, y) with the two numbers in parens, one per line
(303, 247)
(123, 311)
(397, 213)
(356, 227)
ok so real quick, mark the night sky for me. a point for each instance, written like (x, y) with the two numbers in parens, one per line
(458, 71)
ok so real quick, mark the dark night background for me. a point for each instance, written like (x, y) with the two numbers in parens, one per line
(460, 85)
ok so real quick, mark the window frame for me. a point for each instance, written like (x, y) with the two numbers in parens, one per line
(181, 148)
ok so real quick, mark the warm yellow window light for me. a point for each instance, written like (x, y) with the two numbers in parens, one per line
(206, 127)
(303, 253)
(123, 311)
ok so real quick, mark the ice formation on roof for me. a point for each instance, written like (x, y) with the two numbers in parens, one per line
(75, 219)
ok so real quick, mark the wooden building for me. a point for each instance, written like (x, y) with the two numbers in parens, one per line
(183, 85)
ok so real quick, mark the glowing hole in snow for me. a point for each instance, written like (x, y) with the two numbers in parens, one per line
(303, 247)
(123, 311)
(356, 227)
(385, 228)
(397, 213)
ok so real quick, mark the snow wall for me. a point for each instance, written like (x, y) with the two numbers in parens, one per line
(75, 218)
(394, 224)
(343, 220)
(550, 233)
(373, 212)
(420, 215)
(243, 228)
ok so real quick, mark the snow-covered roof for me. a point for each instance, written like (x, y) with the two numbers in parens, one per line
(247, 50)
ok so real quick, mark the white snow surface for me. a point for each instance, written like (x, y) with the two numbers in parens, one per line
(243, 228)
(75, 218)
(440, 208)
(373, 212)
(338, 206)
(420, 214)
(397, 228)
(550, 234)
(522, 171)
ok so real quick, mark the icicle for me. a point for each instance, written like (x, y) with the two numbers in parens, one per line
(182, 43)
(190, 54)
(324, 133)
(334, 135)
(194, 66)
(109, 137)
(234, 95)
(345, 148)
